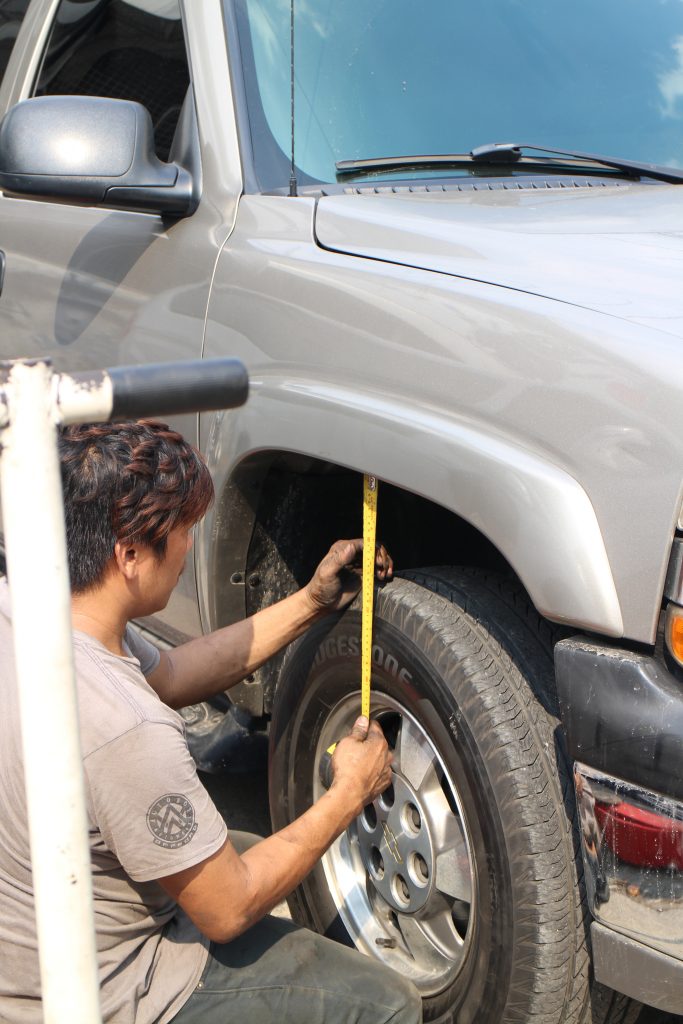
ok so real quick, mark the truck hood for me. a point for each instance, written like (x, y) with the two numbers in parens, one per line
(617, 249)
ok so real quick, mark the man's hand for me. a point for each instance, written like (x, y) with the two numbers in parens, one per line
(201, 668)
(225, 894)
(337, 579)
(361, 763)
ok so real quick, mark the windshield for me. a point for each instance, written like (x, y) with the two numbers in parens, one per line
(392, 77)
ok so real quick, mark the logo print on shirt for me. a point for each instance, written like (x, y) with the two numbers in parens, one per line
(170, 819)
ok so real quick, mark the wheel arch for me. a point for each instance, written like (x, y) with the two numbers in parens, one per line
(530, 508)
(461, 499)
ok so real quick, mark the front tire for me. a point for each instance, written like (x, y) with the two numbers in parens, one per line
(464, 876)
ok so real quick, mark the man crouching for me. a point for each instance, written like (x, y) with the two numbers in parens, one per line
(180, 911)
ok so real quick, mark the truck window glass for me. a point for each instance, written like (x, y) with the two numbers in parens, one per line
(131, 50)
(11, 16)
(382, 78)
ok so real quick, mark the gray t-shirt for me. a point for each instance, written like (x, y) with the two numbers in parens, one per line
(148, 816)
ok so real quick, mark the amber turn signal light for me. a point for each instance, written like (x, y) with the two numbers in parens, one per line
(674, 631)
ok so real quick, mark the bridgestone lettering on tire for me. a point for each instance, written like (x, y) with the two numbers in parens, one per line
(464, 876)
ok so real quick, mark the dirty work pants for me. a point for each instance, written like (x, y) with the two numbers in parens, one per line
(278, 973)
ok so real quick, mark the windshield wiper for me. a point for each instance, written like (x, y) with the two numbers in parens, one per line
(398, 163)
(505, 153)
(511, 152)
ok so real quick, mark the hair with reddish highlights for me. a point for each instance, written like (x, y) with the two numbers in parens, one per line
(127, 482)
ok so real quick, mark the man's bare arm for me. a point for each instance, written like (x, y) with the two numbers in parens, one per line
(201, 668)
(227, 893)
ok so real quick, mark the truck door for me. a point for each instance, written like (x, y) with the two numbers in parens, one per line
(93, 287)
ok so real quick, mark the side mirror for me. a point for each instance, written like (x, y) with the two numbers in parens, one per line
(90, 150)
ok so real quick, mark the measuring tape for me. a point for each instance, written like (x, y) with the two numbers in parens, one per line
(370, 486)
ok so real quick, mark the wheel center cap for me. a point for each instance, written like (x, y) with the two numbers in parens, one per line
(396, 847)
(391, 843)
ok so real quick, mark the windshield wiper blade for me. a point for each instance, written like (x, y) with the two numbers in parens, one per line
(511, 152)
(397, 163)
(506, 153)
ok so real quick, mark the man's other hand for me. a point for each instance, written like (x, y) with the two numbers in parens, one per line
(337, 579)
(361, 763)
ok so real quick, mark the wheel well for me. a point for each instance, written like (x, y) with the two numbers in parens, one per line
(290, 509)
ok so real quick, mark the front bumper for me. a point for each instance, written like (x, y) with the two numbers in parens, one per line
(623, 718)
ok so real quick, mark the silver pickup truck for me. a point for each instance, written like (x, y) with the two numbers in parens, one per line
(447, 241)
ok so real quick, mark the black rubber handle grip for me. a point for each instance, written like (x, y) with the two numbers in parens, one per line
(167, 389)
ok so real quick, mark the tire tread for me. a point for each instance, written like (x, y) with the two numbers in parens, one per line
(499, 609)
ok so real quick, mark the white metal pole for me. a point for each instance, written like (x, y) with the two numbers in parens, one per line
(39, 586)
(33, 401)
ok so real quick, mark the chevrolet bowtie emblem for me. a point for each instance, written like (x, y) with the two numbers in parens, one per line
(392, 843)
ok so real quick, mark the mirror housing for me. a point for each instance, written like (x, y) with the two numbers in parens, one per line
(88, 149)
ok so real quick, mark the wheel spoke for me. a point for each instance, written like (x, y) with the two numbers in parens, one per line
(452, 862)
(441, 931)
(420, 947)
(433, 799)
(429, 942)
(453, 875)
(413, 753)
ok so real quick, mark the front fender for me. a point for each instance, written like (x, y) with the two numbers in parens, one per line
(536, 514)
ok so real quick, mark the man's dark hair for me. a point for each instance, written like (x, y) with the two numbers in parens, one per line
(128, 482)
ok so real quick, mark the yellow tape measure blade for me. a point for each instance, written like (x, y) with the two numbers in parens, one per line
(370, 487)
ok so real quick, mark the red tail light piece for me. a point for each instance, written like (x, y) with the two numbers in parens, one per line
(641, 837)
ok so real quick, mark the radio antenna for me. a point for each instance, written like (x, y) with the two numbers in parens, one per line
(292, 172)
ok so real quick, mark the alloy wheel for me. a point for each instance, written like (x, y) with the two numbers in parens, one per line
(402, 876)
